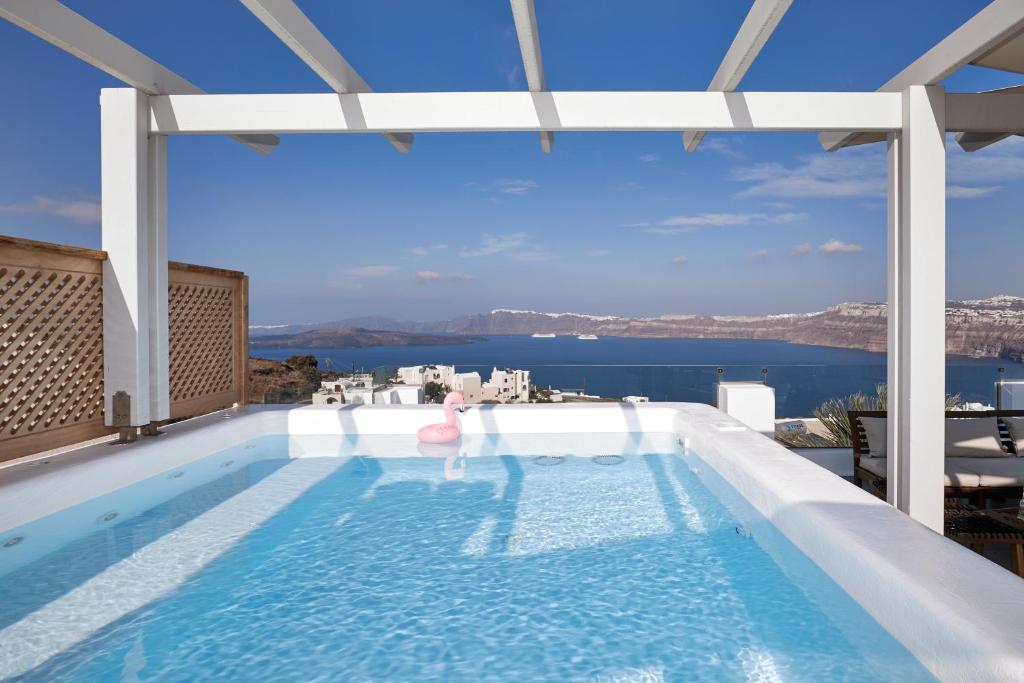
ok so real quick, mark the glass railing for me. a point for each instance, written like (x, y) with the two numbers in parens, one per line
(799, 389)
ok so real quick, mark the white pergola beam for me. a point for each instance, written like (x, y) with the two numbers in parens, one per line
(525, 16)
(286, 21)
(762, 19)
(993, 112)
(985, 31)
(523, 111)
(972, 142)
(73, 33)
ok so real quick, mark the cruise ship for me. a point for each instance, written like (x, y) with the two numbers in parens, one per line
(543, 335)
(587, 337)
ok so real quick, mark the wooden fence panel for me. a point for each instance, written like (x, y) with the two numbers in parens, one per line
(51, 343)
(209, 338)
(51, 346)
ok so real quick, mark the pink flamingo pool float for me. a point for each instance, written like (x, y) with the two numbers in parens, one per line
(447, 431)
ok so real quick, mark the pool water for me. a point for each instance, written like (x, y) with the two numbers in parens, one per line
(562, 567)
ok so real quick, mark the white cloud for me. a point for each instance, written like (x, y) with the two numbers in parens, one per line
(425, 250)
(432, 276)
(851, 173)
(492, 245)
(514, 186)
(861, 172)
(513, 76)
(838, 247)
(964, 192)
(1002, 162)
(532, 254)
(709, 219)
(80, 211)
(676, 225)
(734, 218)
(760, 253)
(628, 186)
(801, 249)
(648, 158)
(516, 245)
(726, 146)
(679, 260)
(371, 271)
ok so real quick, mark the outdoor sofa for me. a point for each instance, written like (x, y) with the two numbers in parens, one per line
(984, 453)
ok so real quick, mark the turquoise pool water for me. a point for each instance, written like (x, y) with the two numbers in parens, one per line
(556, 567)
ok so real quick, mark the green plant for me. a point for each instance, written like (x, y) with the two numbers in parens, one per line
(540, 395)
(434, 392)
(833, 417)
(306, 365)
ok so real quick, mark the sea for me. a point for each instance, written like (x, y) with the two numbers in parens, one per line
(803, 376)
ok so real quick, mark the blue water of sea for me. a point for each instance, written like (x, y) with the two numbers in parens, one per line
(671, 369)
(544, 568)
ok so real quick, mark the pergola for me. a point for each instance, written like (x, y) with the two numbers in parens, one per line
(910, 113)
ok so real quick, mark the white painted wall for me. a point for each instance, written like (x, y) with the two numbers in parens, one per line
(752, 403)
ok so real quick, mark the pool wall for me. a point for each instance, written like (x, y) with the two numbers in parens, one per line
(962, 616)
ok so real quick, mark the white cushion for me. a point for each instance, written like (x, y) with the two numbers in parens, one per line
(959, 471)
(875, 466)
(875, 431)
(998, 471)
(973, 437)
(1016, 425)
(964, 471)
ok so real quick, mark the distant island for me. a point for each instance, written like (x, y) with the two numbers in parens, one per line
(982, 328)
(352, 338)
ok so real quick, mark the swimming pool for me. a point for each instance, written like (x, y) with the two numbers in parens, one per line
(347, 555)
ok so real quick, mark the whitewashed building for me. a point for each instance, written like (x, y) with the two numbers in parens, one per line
(504, 386)
(361, 390)
(507, 386)
(470, 384)
(421, 374)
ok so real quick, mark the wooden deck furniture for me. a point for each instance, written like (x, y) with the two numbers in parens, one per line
(977, 479)
(976, 529)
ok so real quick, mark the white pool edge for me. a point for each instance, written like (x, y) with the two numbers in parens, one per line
(960, 615)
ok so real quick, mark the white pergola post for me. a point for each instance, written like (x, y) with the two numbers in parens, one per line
(917, 307)
(134, 229)
(159, 366)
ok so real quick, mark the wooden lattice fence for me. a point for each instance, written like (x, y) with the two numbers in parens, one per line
(51, 346)
(51, 343)
(209, 342)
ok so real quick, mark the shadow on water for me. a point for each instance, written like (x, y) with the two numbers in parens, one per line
(634, 432)
(669, 499)
(367, 578)
(492, 433)
(507, 504)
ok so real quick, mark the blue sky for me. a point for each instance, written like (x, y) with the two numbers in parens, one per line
(336, 226)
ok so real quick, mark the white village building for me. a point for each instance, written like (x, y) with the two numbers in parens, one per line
(504, 386)
(508, 386)
(361, 390)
